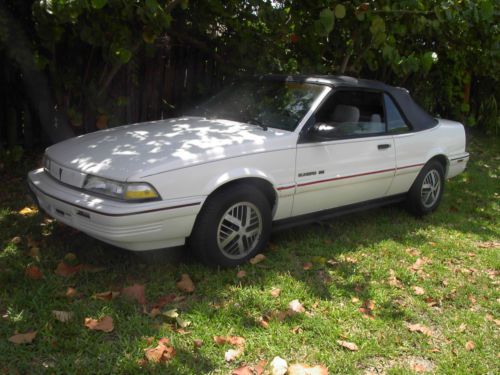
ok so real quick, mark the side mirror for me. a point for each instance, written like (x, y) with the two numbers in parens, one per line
(322, 128)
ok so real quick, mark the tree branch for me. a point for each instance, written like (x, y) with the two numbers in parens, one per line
(116, 68)
(172, 5)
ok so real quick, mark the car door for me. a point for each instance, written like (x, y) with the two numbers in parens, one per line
(411, 148)
(346, 156)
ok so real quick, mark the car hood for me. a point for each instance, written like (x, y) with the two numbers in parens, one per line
(133, 151)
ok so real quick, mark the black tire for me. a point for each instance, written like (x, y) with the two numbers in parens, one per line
(416, 202)
(210, 226)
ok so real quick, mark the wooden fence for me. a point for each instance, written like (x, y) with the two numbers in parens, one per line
(148, 88)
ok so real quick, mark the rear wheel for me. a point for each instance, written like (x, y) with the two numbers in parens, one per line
(427, 190)
(233, 226)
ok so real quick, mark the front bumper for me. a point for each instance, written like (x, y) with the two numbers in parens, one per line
(133, 226)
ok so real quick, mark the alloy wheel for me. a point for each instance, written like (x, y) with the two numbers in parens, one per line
(431, 188)
(239, 230)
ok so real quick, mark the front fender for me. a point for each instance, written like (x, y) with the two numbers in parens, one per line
(234, 175)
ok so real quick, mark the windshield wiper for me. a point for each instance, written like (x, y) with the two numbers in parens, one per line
(254, 121)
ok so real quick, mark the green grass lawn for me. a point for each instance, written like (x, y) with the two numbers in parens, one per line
(373, 260)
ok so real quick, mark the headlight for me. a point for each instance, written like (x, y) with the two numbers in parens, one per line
(129, 191)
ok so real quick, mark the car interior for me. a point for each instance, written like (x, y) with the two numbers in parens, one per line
(352, 113)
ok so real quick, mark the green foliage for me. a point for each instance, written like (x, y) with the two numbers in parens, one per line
(429, 46)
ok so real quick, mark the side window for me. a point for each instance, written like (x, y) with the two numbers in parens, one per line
(351, 113)
(395, 122)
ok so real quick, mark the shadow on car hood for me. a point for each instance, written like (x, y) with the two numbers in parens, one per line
(132, 151)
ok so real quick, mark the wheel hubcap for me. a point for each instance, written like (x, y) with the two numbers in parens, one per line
(239, 230)
(431, 187)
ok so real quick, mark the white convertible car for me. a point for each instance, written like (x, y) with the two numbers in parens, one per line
(262, 154)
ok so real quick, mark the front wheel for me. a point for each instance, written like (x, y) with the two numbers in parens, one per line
(233, 226)
(427, 190)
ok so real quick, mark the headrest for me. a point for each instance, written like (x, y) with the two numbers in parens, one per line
(345, 113)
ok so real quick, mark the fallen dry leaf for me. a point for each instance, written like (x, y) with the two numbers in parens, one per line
(263, 322)
(198, 343)
(275, 292)
(278, 366)
(412, 251)
(469, 345)
(33, 272)
(165, 300)
(419, 263)
(301, 369)
(241, 274)
(182, 331)
(182, 323)
(348, 345)
(23, 338)
(220, 340)
(369, 304)
(244, 370)
(162, 353)
(16, 240)
(106, 296)
(418, 290)
(231, 340)
(367, 309)
(307, 266)
(431, 302)
(104, 324)
(71, 292)
(62, 316)
(351, 260)
(295, 307)
(155, 311)
(65, 270)
(257, 259)
(488, 244)
(233, 354)
(172, 313)
(420, 328)
(490, 318)
(185, 284)
(332, 262)
(281, 315)
(136, 292)
(393, 280)
(462, 327)
(28, 211)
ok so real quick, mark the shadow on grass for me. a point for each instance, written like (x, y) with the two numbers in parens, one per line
(339, 240)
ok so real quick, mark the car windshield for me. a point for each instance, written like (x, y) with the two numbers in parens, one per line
(265, 103)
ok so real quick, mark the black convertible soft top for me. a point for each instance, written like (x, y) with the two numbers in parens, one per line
(418, 118)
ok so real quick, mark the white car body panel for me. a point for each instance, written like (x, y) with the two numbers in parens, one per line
(139, 226)
(345, 172)
(415, 149)
(186, 159)
(154, 147)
